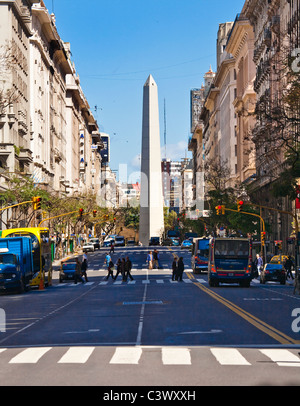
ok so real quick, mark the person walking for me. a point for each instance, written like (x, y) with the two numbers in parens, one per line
(84, 266)
(259, 264)
(174, 269)
(107, 259)
(288, 266)
(123, 269)
(112, 247)
(180, 268)
(77, 276)
(155, 259)
(128, 266)
(119, 268)
(150, 260)
(110, 270)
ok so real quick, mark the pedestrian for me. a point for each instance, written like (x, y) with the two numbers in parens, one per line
(288, 266)
(84, 266)
(259, 264)
(119, 268)
(128, 266)
(107, 259)
(180, 268)
(112, 247)
(123, 269)
(174, 269)
(150, 260)
(110, 270)
(77, 275)
(155, 259)
(84, 256)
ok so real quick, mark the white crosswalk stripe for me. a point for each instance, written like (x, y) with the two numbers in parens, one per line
(283, 358)
(30, 355)
(76, 355)
(229, 356)
(168, 355)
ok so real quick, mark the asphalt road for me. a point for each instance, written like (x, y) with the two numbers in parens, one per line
(150, 331)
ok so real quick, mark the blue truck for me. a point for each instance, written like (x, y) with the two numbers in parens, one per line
(16, 264)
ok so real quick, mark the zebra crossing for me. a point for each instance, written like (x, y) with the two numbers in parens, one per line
(155, 281)
(135, 355)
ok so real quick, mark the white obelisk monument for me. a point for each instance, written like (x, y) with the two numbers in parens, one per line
(151, 197)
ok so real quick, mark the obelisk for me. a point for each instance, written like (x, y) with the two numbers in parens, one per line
(151, 196)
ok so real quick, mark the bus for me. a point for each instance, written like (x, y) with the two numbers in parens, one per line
(230, 261)
(200, 253)
(41, 252)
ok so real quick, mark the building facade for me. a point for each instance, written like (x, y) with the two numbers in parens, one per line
(47, 130)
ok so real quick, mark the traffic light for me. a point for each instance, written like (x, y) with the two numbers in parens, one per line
(263, 237)
(94, 213)
(220, 209)
(36, 202)
(240, 205)
(80, 213)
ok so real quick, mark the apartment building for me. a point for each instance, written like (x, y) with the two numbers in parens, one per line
(47, 130)
(15, 121)
(240, 45)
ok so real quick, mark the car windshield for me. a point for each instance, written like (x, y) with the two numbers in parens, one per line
(273, 266)
(7, 259)
(69, 266)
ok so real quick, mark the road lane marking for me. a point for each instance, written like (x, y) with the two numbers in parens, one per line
(229, 356)
(176, 356)
(141, 320)
(283, 358)
(76, 355)
(30, 355)
(126, 355)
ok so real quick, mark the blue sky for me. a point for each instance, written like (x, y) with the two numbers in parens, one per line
(116, 44)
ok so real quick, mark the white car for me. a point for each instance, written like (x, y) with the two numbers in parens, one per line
(88, 246)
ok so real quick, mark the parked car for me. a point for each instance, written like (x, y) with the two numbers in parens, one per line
(130, 242)
(154, 241)
(107, 243)
(88, 246)
(175, 241)
(96, 242)
(67, 271)
(167, 242)
(119, 241)
(186, 244)
(273, 272)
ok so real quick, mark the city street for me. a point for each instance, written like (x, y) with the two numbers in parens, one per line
(150, 331)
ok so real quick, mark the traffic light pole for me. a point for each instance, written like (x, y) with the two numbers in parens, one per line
(64, 214)
(296, 229)
(15, 205)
